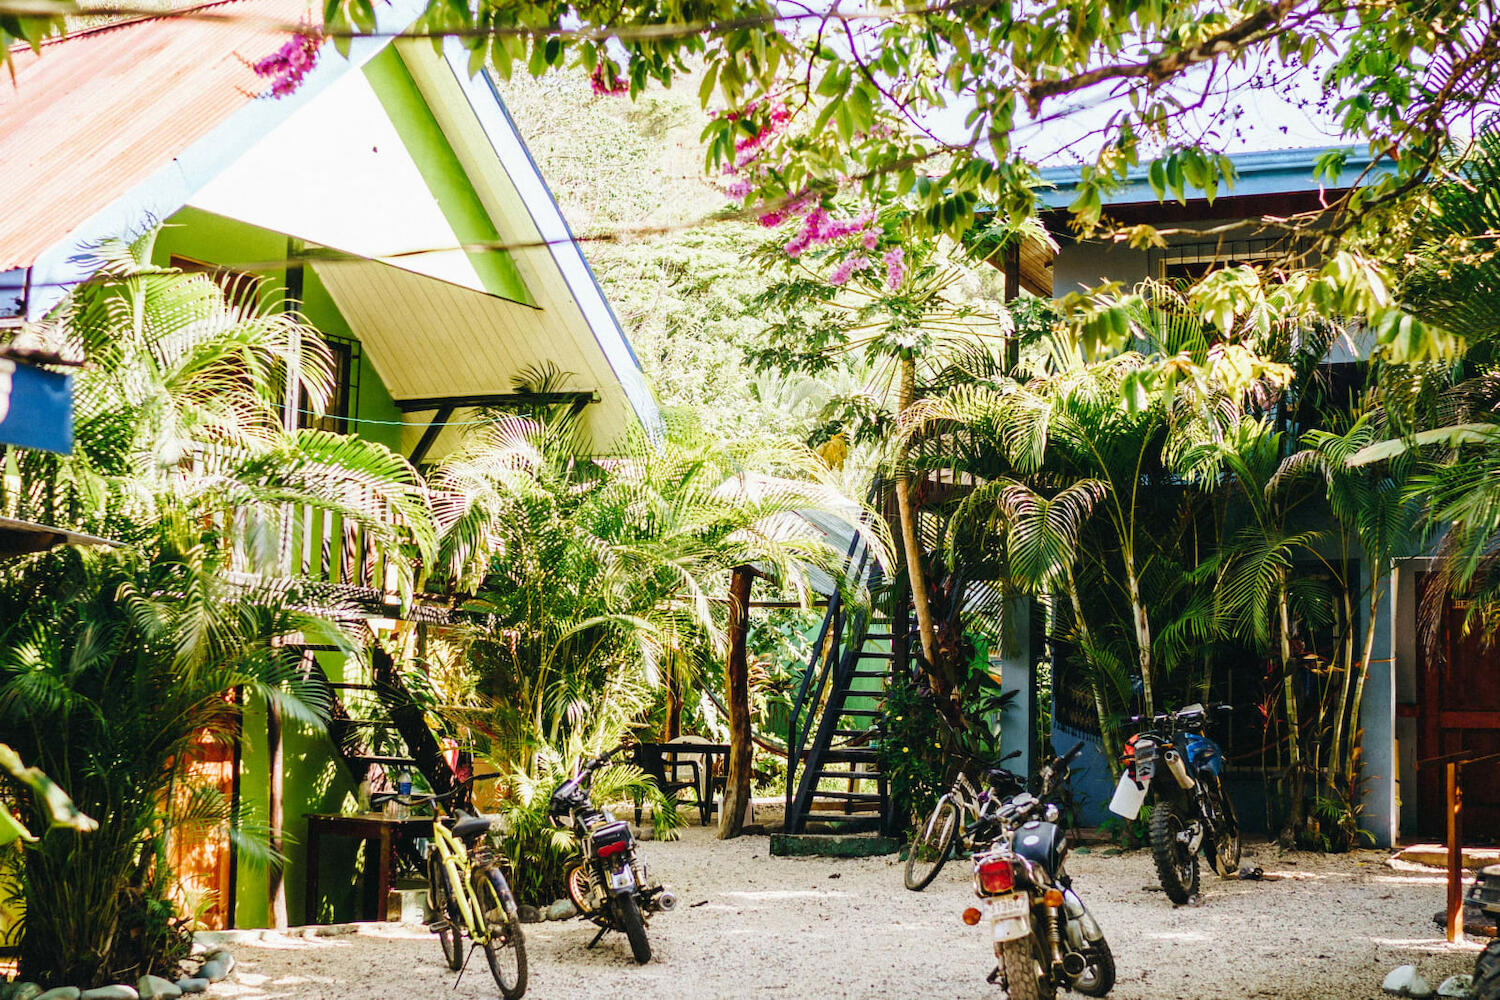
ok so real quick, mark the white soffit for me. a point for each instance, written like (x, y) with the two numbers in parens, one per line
(337, 174)
(432, 338)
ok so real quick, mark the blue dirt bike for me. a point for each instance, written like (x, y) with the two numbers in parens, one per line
(1183, 769)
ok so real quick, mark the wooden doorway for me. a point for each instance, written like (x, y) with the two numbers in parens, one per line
(1458, 699)
(200, 855)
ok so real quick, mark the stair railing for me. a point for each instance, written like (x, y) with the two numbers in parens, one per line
(810, 694)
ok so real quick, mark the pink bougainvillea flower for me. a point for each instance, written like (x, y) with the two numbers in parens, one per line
(738, 189)
(895, 268)
(847, 268)
(288, 65)
(606, 80)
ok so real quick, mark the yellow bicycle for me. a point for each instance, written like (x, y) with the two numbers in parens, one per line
(467, 893)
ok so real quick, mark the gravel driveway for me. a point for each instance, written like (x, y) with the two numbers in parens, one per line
(750, 925)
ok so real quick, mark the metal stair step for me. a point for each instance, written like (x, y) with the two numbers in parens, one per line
(850, 754)
(851, 732)
(868, 713)
(848, 775)
(848, 796)
(875, 654)
(870, 673)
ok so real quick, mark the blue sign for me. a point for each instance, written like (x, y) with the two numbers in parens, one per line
(36, 407)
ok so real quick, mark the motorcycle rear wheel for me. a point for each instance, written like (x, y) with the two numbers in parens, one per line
(628, 916)
(1026, 978)
(931, 846)
(1487, 973)
(1176, 863)
(1099, 977)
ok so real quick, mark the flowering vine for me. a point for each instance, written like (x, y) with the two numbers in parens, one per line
(606, 80)
(294, 60)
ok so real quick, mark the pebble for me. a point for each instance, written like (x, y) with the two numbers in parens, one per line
(157, 988)
(1456, 986)
(61, 993)
(117, 992)
(192, 984)
(562, 909)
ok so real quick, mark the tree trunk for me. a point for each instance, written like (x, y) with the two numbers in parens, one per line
(737, 700)
(912, 546)
(673, 728)
(1359, 689)
(1142, 628)
(1106, 732)
(1293, 723)
(1335, 748)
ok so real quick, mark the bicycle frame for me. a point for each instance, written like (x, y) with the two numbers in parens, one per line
(455, 858)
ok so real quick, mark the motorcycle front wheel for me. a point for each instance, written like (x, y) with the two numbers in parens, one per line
(1176, 862)
(628, 916)
(1098, 977)
(1227, 843)
(931, 846)
(1025, 976)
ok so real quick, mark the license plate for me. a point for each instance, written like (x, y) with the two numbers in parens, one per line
(1014, 905)
(622, 879)
(1129, 796)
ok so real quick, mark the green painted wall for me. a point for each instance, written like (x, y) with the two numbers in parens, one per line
(315, 780)
(444, 175)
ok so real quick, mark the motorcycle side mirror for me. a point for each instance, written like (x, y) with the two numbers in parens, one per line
(1051, 814)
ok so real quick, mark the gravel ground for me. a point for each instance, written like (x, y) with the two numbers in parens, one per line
(750, 925)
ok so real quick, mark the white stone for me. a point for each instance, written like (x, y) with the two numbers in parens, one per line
(1456, 986)
(1399, 980)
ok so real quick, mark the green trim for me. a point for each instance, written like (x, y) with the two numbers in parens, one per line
(443, 174)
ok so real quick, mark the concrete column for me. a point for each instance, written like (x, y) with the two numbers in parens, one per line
(1378, 717)
(1018, 721)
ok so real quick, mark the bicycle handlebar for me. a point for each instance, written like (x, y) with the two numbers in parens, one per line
(431, 798)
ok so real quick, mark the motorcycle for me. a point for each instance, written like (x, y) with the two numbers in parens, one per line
(1043, 935)
(1184, 769)
(607, 880)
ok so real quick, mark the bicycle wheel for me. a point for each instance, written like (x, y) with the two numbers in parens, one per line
(929, 850)
(504, 946)
(442, 922)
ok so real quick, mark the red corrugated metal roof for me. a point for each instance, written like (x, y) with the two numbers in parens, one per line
(98, 112)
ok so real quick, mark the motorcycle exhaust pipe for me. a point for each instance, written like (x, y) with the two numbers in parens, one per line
(666, 900)
(1074, 963)
(1179, 770)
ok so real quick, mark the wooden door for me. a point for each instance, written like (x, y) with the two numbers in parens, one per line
(1458, 696)
(200, 854)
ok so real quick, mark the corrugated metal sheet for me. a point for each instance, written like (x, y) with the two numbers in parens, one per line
(98, 112)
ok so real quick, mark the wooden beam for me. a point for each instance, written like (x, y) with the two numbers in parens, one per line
(737, 695)
(430, 435)
(1455, 856)
(577, 397)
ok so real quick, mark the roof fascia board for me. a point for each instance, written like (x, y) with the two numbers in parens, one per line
(156, 198)
(1275, 171)
(493, 117)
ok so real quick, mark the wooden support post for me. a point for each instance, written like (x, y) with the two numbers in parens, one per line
(1455, 856)
(737, 700)
(674, 706)
(276, 882)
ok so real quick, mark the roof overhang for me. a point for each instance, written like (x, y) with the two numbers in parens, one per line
(18, 538)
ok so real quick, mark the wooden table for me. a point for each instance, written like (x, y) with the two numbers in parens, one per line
(652, 758)
(379, 832)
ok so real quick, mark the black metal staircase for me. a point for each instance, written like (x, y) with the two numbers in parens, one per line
(834, 778)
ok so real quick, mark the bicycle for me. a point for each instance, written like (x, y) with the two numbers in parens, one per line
(467, 893)
(957, 810)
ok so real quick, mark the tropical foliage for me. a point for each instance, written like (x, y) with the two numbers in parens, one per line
(118, 663)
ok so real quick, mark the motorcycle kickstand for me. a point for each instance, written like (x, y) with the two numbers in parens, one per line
(995, 976)
(602, 931)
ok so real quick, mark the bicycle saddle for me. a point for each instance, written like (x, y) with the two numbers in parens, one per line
(463, 826)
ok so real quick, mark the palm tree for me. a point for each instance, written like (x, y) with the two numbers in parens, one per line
(114, 663)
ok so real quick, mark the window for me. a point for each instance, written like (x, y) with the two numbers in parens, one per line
(1189, 263)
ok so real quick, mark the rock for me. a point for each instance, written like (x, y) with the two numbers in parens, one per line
(646, 833)
(117, 992)
(529, 914)
(562, 909)
(1456, 986)
(61, 993)
(25, 991)
(192, 984)
(1084, 849)
(157, 988)
(1404, 981)
(217, 966)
